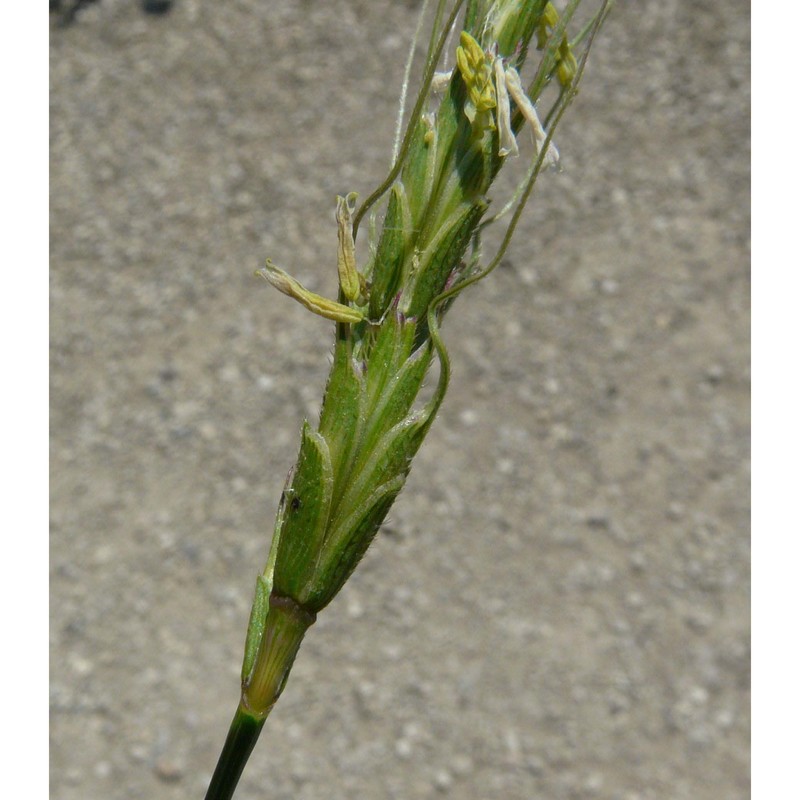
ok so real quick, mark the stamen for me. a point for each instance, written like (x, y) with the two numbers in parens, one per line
(349, 278)
(315, 303)
(527, 109)
(508, 142)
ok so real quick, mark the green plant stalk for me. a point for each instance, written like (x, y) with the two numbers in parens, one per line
(242, 737)
(353, 465)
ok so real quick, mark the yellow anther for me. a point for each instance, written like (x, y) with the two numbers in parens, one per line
(329, 309)
(349, 279)
(566, 65)
(430, 134)
(476, 70)
(471, 51)
(547, 22)
(487, 99)
(464, 66)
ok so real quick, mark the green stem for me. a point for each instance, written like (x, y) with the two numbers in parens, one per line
(286, 623)
(242, 737)
(285, 627)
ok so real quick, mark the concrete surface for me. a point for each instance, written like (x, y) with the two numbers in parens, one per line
(559, 606)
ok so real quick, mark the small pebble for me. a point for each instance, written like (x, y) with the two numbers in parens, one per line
(138, 752)
(461, 764)
(156, 6)
(265, 382)
(715, 373)
(551, 386)
(73, 776)
(355, 608)
(609, 286)
(102, 769)
(443, 780)
(594, 783)
(403, 749)
(675, 511)
(638, 561)
(168, 771)
(597, 520)
(469, 417)
(634, 600)
(505, 466)
(725, 719)
(207, 430)
(81, 666)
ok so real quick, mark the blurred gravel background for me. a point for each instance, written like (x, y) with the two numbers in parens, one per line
(559, 605)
